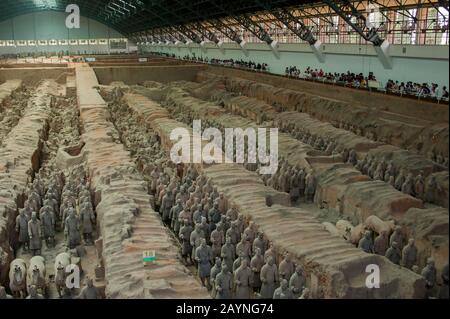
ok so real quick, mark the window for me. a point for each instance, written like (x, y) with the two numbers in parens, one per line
(405, 29)
(118, 44)
(431, 27)
(442, 32)
(332, 31)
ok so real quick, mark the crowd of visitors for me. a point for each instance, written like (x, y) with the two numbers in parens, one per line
(242, 64)
(354, 80)
(262, 67)
(423, 90)
(348, 79)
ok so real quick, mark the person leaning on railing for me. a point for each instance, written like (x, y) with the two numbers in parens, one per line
(444, 92)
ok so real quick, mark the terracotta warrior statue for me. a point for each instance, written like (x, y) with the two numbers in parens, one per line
(228, 253)
(34, 231)
(366, 243)
(256, 264)
(22, 229)
(243, 280)
(185, 237)
(233, 213)
(90, 291)
(215, 270)
(217, 239)
(204, 257)
(287, 267)
(381, 243)
(397, 237)
(283, 292)
(233, 233)
(87, 218)
(394, 253)
(244, 247)
(48, 226)
(269, 277)
(174, 214)
(166, 206)
(224, 283)
(409, 254)
(196, 238)
(72, 230)
(297, 282)
(429, 273)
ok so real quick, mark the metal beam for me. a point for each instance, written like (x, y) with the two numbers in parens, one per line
(444, 4)
(441, 3)
(297, 27)
(301, 30)
(173, 35)
(197, 25)
(181, 28)
(227, 31)
(346, 10)
(246, 21)
(291, 22)
(153, 37)
(207, 34)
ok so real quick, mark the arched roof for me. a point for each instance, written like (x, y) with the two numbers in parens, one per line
(128, 16)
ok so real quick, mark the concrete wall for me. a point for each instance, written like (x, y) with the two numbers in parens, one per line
(410, 63)
(139, 74)
(32, 76)
(50, 25)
